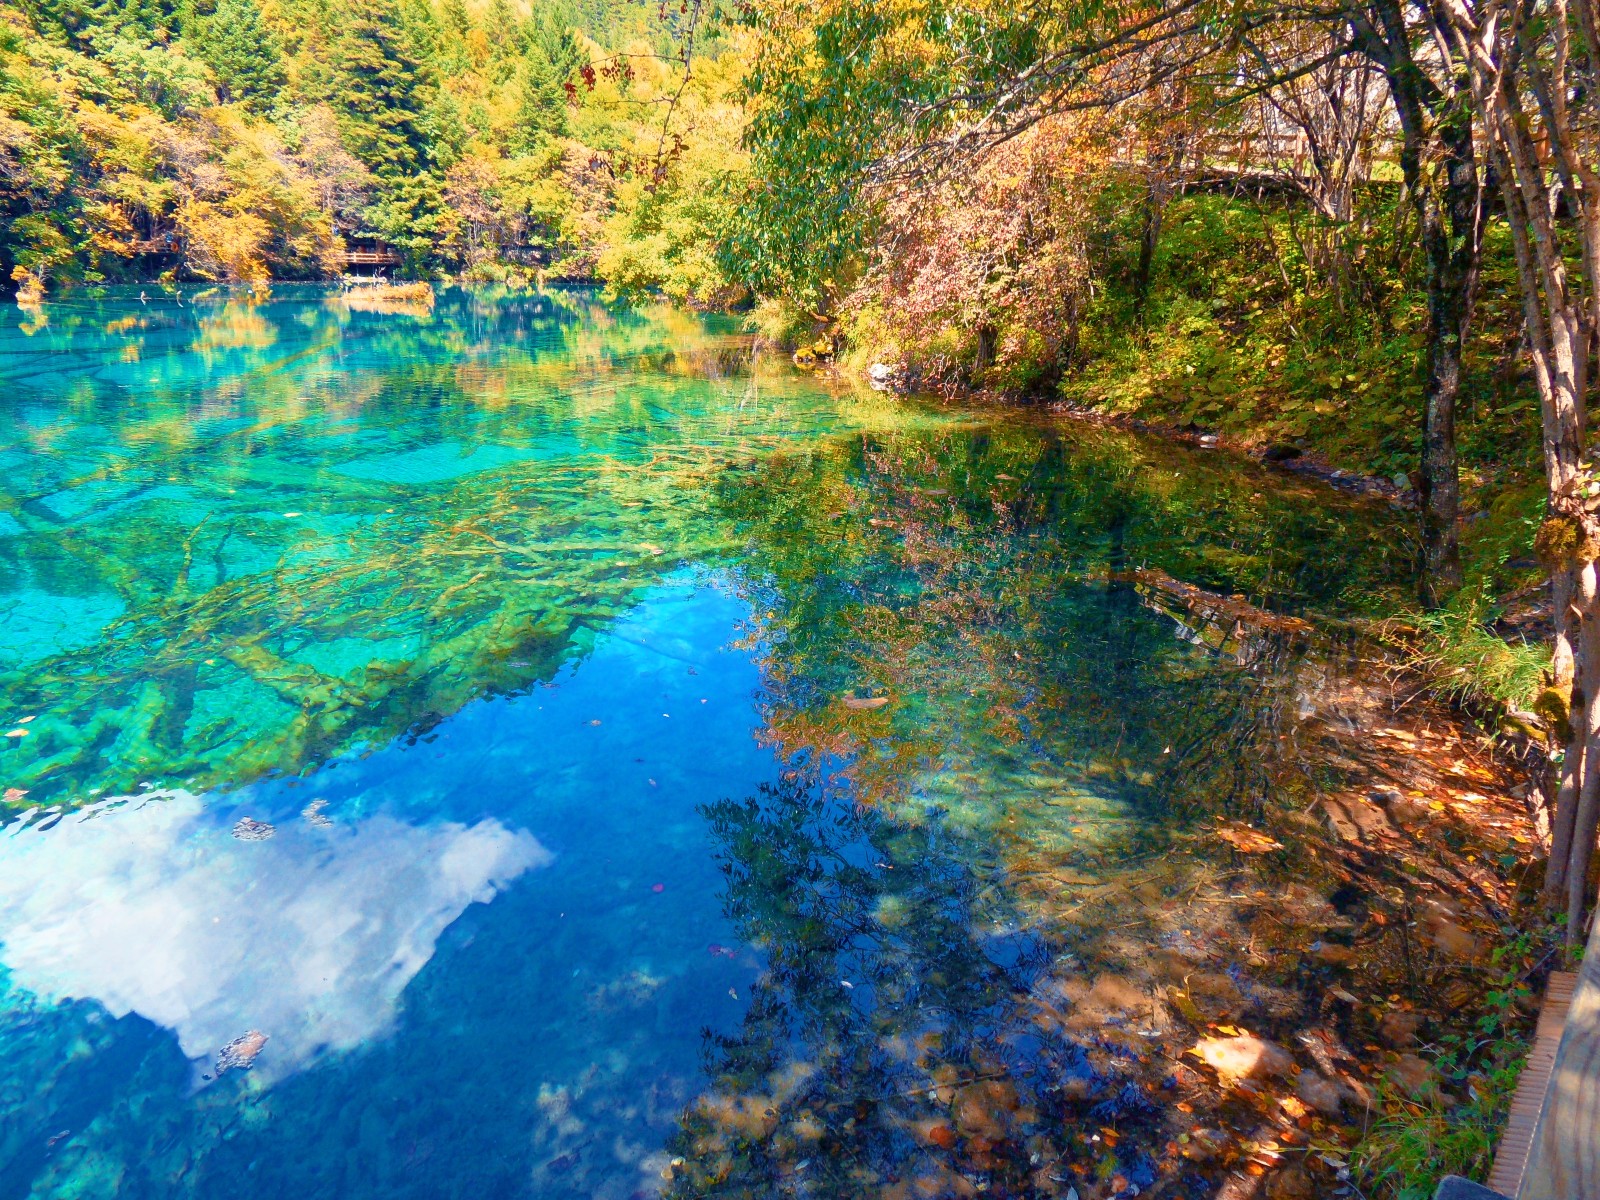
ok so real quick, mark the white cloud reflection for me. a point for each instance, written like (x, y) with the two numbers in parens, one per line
(149, 906)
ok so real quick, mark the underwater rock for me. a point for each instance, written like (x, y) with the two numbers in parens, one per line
(1204, 1144)
(1243, 1057)
(984, 1109)
(865, 703)
(1403, 811)
(248, 829)
(313, 814)
(1280, 452)
(1443, 923)
(1335, 954)
(1413, 1076)
(1455, 941)
(1399, 1029)
(1246, 840)
(241, 1052)
(1321, 1093)
(1291, 1183)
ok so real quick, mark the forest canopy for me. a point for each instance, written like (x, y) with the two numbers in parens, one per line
(243, 140)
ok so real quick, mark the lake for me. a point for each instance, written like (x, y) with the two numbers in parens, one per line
(534, 748)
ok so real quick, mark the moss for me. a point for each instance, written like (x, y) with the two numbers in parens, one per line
(1554, 704)
(1562, 541)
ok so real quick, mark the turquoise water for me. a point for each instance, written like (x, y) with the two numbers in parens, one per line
(530, 748)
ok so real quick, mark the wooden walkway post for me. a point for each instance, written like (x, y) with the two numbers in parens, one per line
(1564, 1160)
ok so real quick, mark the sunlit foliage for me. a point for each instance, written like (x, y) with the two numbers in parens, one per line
(243, 140)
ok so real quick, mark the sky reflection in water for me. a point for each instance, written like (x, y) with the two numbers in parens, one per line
(526, 626)
(311, 934)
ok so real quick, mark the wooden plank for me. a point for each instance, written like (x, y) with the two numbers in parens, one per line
(1511, 1156)
(1564, 1163)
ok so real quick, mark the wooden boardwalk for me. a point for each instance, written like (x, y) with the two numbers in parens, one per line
(1511, 1156)
(1563, 1153)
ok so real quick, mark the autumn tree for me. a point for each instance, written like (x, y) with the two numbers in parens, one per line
(853, 96)
(381, 90)
(1533, 66)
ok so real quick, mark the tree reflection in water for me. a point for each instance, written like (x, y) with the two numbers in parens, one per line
(901, 1039)
(974, 898)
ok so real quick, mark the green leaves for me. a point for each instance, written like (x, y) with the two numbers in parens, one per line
(243, 52)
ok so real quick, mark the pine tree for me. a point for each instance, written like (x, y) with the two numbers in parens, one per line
(243, 52)
(381, 90)
(78, 21)
(456, 19)
(550, 58)
(542, 109)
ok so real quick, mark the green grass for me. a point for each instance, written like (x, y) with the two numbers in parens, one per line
(1465, 660)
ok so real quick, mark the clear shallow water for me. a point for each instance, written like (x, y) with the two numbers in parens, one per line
(528, 626)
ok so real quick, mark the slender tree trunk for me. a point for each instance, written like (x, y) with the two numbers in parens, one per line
(1155, 204)
(1440, 491)
(1443, 187)
(1558, 352)
(1585, 819)
(1450, 246)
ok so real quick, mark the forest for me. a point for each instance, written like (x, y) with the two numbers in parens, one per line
(243, 142)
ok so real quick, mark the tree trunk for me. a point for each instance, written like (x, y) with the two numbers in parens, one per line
(1441, 177)
(1450, 243)
(1585, 818)
(1155, 203)
(1558, 349)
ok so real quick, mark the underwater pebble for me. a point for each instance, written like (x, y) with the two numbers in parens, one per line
(241, 1052)
(249, 829)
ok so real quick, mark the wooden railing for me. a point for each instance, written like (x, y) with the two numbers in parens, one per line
(372, 258)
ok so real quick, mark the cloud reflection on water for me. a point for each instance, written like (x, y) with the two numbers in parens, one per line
(149, 906)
